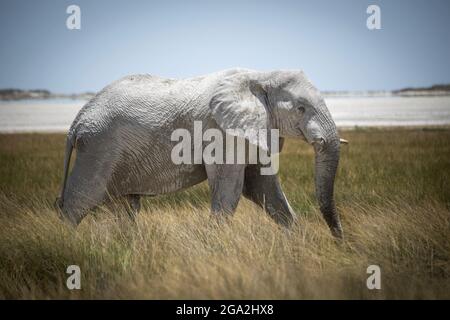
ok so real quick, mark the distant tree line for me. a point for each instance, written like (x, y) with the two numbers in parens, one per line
(19, 94)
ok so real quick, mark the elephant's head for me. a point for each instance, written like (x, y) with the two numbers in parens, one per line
(284, 100)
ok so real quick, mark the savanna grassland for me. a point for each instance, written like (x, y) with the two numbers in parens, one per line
(392, 191)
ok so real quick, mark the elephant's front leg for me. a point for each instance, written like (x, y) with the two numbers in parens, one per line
(265, 191)
(225, 182)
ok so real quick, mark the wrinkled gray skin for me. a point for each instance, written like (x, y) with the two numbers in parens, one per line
(123, 141)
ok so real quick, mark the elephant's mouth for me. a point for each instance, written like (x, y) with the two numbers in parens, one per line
(301, 135)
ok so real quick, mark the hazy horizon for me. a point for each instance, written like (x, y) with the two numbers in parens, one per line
(325, 91)
(178, 39)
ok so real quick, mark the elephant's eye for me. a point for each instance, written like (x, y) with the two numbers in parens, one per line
(301, 110)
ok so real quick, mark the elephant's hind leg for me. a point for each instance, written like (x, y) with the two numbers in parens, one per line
(133, 205)
(86, 188)
(225, 182)
(265, 191)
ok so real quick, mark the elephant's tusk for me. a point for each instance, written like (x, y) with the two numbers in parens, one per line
(343, 141)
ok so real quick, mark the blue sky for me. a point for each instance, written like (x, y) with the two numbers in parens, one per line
(327, 39)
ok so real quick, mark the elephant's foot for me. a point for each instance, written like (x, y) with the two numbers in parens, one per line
(133, 206)
(334, 223)
(285, 217)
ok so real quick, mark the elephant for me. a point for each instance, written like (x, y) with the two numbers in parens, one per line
(123, 144)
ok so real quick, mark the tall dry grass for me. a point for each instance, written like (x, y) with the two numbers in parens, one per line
(392, 192)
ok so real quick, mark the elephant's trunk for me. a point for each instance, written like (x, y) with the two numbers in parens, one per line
(326, 164)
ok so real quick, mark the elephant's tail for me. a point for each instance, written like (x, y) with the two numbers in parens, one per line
(69, 147)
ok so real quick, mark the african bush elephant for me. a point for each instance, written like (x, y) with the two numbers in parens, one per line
(123, 141)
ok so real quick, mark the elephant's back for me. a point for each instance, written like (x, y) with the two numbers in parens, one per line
(129, 125)
(141, 100)
(149, 99)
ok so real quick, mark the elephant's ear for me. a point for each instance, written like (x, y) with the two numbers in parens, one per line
(239, 106)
